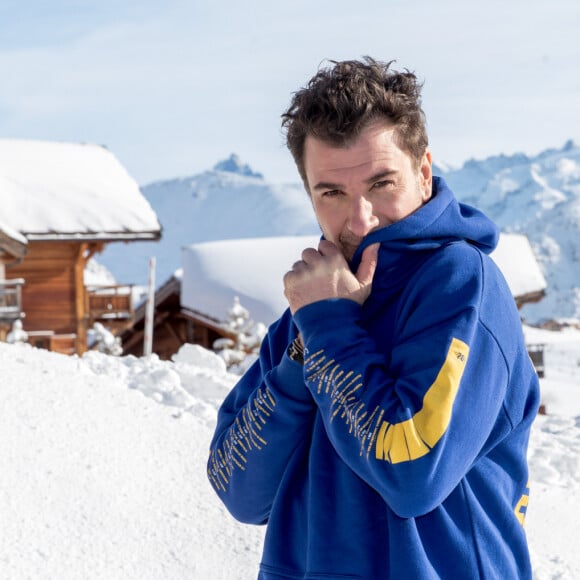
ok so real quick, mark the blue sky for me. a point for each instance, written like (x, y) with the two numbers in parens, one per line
(173, 87)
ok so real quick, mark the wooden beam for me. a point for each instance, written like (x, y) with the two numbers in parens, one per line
(14, 247)
(92, 249)
(135, 338)
(81, 299)
(178, 339)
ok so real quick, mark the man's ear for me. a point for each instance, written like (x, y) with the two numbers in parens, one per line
(426, 175)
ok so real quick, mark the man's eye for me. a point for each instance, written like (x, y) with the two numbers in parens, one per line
(331, 193)
(383, 184)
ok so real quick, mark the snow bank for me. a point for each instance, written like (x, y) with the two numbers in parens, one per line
(103, 469)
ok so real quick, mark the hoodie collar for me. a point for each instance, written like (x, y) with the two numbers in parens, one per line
(441, 220)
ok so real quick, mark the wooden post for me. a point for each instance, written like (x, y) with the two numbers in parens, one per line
(149, 310)
(80, 300)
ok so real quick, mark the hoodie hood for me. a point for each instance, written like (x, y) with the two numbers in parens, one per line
(440, 221)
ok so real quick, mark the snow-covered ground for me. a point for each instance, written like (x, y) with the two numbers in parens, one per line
(102, 468)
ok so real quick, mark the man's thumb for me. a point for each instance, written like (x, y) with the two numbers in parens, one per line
(368, 265)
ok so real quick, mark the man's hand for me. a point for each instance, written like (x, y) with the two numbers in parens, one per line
(324, 273)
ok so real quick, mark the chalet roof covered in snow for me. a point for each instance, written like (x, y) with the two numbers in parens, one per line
(214, 273)
(12, 241)
(515, 257)
(252, 269)
(52, 190)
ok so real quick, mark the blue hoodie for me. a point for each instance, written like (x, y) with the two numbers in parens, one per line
(398, 450)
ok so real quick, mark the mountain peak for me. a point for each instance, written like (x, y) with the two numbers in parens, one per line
(569, 145)
(234, 165)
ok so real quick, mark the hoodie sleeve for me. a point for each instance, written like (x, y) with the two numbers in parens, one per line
(411, 421)
(262, 422)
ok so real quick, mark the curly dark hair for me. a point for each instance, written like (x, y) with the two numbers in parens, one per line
(341, 101)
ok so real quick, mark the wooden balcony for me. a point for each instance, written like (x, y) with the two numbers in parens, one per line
(10, 300)
(112, 306)
(536, 352)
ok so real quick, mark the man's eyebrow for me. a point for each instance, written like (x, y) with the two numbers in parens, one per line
(380, 175)
(329, 185)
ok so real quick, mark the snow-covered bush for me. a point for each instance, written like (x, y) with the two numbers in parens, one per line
(240, 352)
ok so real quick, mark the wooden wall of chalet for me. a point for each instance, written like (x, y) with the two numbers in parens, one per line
(172, 329)
(173, 326)
(53, 292)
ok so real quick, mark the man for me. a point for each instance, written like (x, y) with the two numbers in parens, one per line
(383, 432)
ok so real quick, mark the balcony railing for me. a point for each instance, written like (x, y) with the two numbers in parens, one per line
(11, 300)
(110, 305)
(536, 352)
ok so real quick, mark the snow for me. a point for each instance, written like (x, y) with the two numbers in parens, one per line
(215, 273)
(516, 260)
(103, 467)
(71, 190)
(100, 481)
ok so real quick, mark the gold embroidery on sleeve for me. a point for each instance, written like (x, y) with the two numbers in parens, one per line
(243, 436)
(393, 442)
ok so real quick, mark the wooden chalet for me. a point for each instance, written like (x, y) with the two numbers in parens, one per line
(516, 259)
(68, 201)
(173, 325)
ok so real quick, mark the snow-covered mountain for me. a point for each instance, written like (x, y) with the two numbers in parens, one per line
(229, 202)
(538, 196)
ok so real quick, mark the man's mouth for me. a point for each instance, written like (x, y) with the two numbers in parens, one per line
(349, 245)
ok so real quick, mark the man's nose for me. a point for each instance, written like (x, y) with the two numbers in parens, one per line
(362, 218)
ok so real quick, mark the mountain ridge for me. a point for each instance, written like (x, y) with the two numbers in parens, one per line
(538, 196)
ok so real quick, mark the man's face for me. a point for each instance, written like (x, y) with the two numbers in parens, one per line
(365, 186)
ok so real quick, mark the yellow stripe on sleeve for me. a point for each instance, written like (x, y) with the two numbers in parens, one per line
(416, 436)
(521, 506)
